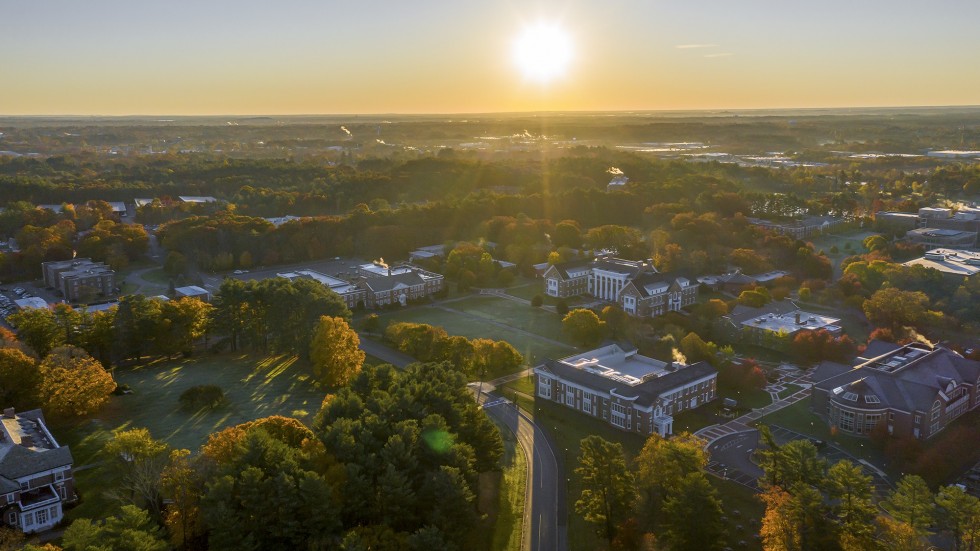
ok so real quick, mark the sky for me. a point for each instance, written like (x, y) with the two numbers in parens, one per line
(250, 57)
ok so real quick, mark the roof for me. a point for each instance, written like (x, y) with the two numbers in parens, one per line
(392, 282)
(17, 460)
(907, 379)
(651, 283)
(191, 291)
(648, 391)
(949, 261)
(197, 199)
(742, 313)
(32, 302)
(877, 348)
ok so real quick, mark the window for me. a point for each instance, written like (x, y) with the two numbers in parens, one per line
(544, 387)
(918, 418)
(870, 422)
(935, 411)
(871, 399)
(845, 421)
(587, 402)
(60, 475)
(29, 519)
(570, 396)
(850, 396)
(25, 485)
(12, 519)
(619, 417)
(42, 516)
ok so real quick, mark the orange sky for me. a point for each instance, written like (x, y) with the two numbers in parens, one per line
(304, 57)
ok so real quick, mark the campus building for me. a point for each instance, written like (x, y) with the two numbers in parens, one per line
(79, 279)
(774, 325)
(955, 263)
(629, 391)
(385, 285)
(352, 294)
(35, 473)
(914, 390)
(798, 229)
(635, 285)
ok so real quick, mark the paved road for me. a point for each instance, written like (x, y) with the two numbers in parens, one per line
(544, 520)
(545, 482)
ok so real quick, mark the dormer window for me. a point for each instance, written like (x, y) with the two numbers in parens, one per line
(850, 396)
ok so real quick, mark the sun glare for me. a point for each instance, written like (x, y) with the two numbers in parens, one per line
(543, 52)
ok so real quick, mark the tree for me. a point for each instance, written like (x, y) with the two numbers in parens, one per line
(895, 308)
(37, 328)
(19, 379)
(567, 234)
(911, 502)
(663, 463)
(182, 323)
(959, 514)
(583, 326)
(895, 535)
(693, 515)
(182, 484)
(73, 384)
(851, 489)
(615, 319)
(335, 352)
(140, 459)
(130, 530)
(561, 308)
(607, 485)
(779, 531)
(537, 301)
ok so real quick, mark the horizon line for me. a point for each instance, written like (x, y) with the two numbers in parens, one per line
(484, 113)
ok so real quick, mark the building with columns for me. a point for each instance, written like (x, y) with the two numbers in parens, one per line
(633, 284)
(629, 391)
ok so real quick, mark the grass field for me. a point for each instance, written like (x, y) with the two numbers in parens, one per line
(255, 386)
(798, 417)
(534, 320)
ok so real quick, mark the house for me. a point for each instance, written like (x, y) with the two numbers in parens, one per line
(35, 473)
(629, 391)
(734, 281)
(352, 294)
(37, 303)
(633, 284)
(798, 229)
(424, 253)
(775, 324)
(914, 390)
(79, 279)
(955, 263)
(193, 291)
(388, 285)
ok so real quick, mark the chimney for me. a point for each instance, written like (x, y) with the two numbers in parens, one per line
(797, 317)
(9, 413)
(27, 441)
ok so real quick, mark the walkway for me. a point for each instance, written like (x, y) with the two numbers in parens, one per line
(741, 424)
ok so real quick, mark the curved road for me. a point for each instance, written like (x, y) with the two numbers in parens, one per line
(545, 527)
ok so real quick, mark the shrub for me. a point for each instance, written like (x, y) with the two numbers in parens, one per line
(562, 308)
(537, 301)
(202, 396)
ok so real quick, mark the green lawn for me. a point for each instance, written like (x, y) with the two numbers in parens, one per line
(524, 384)
(747, 400)
(534, 320)
(157, 276)
(789, 391)
(798, 417)
(255, 386)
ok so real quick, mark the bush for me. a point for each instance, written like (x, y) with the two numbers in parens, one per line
(371, 323)
(562, 308)
(537, 301)
(202, 396)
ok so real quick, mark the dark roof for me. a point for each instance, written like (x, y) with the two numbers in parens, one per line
(827, 369)
(649, 278)
(563, 267)
(913, 386)
(877, 348)
(20, 461)
(646, 393)
(387, 283)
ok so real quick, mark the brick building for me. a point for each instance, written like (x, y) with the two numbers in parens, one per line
(79, 279)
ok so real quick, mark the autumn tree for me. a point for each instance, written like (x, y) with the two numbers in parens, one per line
(139, 458)
(37, 328)
(615, 319)
(607, 485)
(181, 482)
(663, 463)
(19, 379)
(335, 352)
(583, 326)
(779, 531)
(73, 383)
(895, 308)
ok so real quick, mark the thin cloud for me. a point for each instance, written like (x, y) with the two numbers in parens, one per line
(724, 54)
(692, 46)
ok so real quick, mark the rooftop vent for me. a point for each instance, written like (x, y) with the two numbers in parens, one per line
(9, 413)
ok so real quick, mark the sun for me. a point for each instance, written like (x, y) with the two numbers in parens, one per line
(543, 52)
